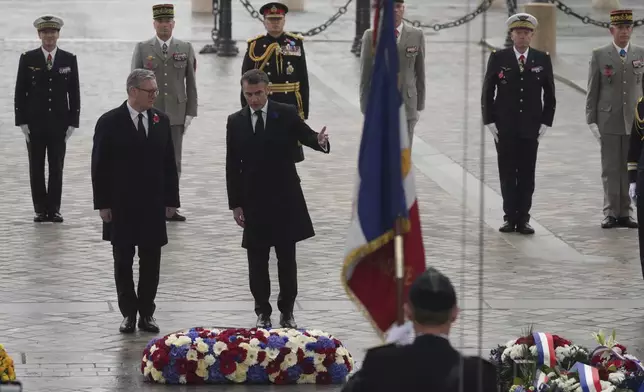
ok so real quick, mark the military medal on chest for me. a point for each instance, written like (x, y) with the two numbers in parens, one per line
(289, 68)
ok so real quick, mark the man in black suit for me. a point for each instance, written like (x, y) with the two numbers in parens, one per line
(430, 363)
(517, 117)
(264, 190)
(136, 186)
(47, 110)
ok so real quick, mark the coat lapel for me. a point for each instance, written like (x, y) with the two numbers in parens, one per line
(402, 43)
(156, 47)
(127, 120)
(246, 120)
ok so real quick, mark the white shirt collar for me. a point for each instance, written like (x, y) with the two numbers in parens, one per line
(400, 28)
(619, 49)
(134, 114)
(53, 52)
(264, 109)
(517, 54)
(161, 42)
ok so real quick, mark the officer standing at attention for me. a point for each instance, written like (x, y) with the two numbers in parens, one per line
(614, 85)
(174, 65)
(517, 118)
(281, 56)
(47, 110)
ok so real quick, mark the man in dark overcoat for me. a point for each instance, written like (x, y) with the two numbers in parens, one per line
(264, 190)
(47, 110)
(136, 186)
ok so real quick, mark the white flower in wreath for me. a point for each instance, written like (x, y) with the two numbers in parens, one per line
(202, 346)
(209, 359)
(562, 353)
(254, 342)
(318, 359)
(182, 341)
(517, 351)
(289, 361)
(192, 355)
(203, 373)
(219, 347)
(293, 344)
(306, 379)
(272, 353)
(320, 368)
(156, 375)
(293, 333)
(239, 376)
(171, 339)
(153, 349)
(251, 354)
(533, 351)
(182, 379)
(616, 378)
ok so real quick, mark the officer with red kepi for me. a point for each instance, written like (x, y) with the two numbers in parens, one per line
(281, 56)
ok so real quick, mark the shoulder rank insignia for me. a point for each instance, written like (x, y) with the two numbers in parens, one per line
(301, 38)
(255, 38)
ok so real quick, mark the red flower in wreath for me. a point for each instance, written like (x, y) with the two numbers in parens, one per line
(155, 118)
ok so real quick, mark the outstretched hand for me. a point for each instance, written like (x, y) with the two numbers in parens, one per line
(323, 138)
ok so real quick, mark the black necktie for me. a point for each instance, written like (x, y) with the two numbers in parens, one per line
(141, 127)
(259, 125)
(165, 50)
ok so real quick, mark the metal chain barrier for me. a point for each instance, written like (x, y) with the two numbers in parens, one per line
(314, 31)
(587, 19)
(484, 6)
(215, 12)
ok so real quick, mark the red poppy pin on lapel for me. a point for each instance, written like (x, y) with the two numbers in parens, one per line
(155, 118)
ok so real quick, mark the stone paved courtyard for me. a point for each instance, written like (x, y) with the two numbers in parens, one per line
(58, 311)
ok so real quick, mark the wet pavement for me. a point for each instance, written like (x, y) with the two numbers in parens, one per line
(58, 313)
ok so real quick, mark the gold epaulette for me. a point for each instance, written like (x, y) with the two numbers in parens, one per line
(639, 121)
(256, 38)
(301, 38)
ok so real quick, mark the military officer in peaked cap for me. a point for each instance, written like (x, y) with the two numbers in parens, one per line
(174, 65)
(281, 55)
(614, 86)
(47, 110)
(515, 114)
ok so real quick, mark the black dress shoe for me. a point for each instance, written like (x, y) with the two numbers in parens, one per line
(508, 227)
(41, 217)
(56, 217)
(148, 324)
(176, 218)
(264, 321)
(128, 324)
(627, 222)
(609, 222)
(525, 228)
(287, 321)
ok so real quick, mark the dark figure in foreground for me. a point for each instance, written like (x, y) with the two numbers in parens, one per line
(47, 110)
(430, 363)
(281, 56)
(264, 191)
(136, 186)
(517, 117)
(636, 172)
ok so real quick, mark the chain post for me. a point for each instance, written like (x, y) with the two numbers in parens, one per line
(512, 9)
(226, 47)
(363, 22)
(214, 33)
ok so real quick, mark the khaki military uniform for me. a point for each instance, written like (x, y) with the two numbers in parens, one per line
(175, 74)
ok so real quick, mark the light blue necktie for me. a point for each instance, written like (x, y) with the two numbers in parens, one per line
(622, 53)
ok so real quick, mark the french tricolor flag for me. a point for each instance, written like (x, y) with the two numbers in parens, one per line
(545, 349)
(588, 377)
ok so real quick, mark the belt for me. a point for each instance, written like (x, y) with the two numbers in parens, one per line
(290, 88)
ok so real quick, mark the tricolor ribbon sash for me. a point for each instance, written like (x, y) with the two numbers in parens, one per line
(545, 349)
(603, 349)
(588, 377)
(540, 380)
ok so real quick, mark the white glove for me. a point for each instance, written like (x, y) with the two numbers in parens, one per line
(542, 131)
(494, 131)
(631, 190)
(401, 334)
(70, 131)
(594, 129)
(187, 123)
(25, 130)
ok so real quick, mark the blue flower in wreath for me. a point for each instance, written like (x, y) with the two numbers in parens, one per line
(338, 373)
(150, 344)
(170, 372)
(257, 375)
(312, 346)
(214, 374)
(294, 373)
(326, 342)
(275, 341)
(178, 352)
(192, 334)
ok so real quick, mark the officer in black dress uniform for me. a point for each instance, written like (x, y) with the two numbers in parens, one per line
(47, 109)
(281, 55)
(430, 363)
(636, 172)
(515, 114)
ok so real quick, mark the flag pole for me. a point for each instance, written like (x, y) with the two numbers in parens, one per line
(399, 257)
